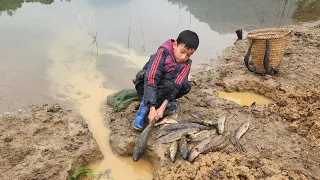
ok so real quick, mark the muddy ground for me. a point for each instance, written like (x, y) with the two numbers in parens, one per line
(44, 142)
(283, 140)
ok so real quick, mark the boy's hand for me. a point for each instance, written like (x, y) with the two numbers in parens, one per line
(160, 112)
(161, 109)
(153, 114)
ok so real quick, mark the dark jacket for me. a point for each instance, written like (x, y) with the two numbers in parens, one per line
(163, 65)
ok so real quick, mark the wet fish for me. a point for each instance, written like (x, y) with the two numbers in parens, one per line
(202, 122)
(183, 146)
(197, 149)
(221, 122)
(173, 150)
(174, 116)
(210, 123)
(209, 144)
(166, 121)
(194, 115)
(176, 135)
(194, 135)
(217, 144)
(163, 133)
(183, 126)
(142, 141)
(172, 127)
(202, 135)
(243, 129)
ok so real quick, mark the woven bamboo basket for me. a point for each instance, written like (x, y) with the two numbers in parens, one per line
(278, 38)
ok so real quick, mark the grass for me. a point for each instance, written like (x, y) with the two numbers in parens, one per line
(82, 171)
(79, 172)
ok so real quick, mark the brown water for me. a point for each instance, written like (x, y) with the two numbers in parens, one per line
(81, 83)
(47, 55)
(244, 98)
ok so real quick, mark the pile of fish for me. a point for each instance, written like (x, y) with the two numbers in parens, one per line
(207, 135)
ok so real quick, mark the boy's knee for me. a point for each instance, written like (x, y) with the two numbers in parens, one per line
(167, 85)
(186, 88)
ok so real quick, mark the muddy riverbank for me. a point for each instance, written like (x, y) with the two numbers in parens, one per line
(44, 142)
(283, 138)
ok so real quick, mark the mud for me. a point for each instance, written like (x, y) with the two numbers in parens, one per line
(44, 142)
(283, 140)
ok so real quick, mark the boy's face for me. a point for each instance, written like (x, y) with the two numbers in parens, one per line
(181, 53)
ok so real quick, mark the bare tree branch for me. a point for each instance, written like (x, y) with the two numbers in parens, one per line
(93, 33)
(190, 19)
(208, 10)
(129, 35)
(282, 15)
(179, 15)
(144, 40)
(261, 19)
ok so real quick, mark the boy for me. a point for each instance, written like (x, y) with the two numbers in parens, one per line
(164, 77)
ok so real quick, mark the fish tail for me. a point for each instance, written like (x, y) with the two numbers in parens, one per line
(238, 145)
(173, 158)
(233, 139)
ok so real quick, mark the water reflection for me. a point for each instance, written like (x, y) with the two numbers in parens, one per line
(227, 16)
(108, 3)
(10, 6)
(220, 15)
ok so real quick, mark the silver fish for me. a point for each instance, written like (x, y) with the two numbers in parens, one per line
(183, 146)
(176, 135)
(209, 144)
(173, 150)
(142, 141)
(202, 122)
(194, 115)
(166, 121)
(163, 133)
(221, 122)
(194, 135)
(241, 131)
(202, 135)
(183, 126)
(179, 126)
(218, 143)
(196, 150)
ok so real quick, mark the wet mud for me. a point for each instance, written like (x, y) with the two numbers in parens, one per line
(283, 140)
(44, 142)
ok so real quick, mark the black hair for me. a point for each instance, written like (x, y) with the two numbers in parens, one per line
(189, 38)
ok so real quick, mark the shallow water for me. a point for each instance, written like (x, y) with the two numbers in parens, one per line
(244, 98)
(49, 53)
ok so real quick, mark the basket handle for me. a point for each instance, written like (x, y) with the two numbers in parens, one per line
(265, 59)
(246, 58)
(272, 70)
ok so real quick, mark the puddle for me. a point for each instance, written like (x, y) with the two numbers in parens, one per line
(244, 98)
(75, 78)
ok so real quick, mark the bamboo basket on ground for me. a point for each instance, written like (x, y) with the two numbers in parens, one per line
(267, 47)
